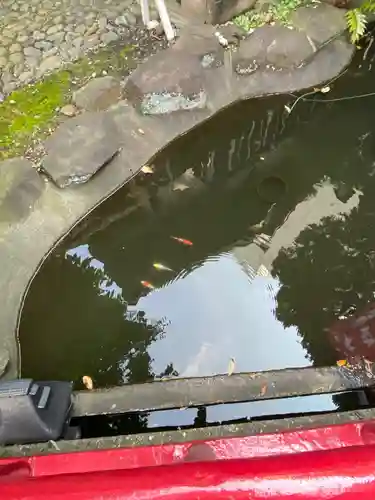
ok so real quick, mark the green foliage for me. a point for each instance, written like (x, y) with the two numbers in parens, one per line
(356, 21)
(280, 11)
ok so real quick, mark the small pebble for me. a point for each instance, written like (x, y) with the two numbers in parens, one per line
(69, 110)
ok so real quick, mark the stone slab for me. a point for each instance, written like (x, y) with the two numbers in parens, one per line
(98, 94)
(168, 81)
(321, 22)
(20, 188)
(275, 46)
(79, 148)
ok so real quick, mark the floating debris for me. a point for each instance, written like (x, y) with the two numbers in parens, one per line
(148, 285)
(147, 169)
(324, 90)
(141, 131)
(161, 267)
(183, 241)
(231, 366)
(87, 382)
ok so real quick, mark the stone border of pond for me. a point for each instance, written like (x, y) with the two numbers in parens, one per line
(118, 127)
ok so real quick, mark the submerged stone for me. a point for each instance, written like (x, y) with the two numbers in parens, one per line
(272, 46)
(98, 94)
(169, 81)
(80, 147)
(20, 187)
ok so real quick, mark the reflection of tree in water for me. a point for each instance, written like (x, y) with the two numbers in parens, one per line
(328, 272)
(103, 339)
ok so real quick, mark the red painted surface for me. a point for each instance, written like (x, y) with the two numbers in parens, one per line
(329, 462)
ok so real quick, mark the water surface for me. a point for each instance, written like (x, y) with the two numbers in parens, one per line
(280, 210)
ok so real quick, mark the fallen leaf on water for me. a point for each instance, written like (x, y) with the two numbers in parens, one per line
(147, 284)
(87, 382)
(324, 90)
(341, 362)
(183, 241)
(231, 366)
(146, 169)
(161, 267)
(263, 390)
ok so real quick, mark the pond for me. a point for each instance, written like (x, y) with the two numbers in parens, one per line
(247, 239)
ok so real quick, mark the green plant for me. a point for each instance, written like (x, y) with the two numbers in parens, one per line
(280, 11)
(357, 19)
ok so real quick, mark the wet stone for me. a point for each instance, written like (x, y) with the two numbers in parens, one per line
(272, 47)
(98, 94)
(80, 147)
(168, 81)
(20, 188)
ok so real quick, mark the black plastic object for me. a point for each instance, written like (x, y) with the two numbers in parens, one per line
(33, 412)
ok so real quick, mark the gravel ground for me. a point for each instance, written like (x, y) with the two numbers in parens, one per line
(40, 36)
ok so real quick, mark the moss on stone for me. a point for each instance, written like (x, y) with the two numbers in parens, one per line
(28, 114)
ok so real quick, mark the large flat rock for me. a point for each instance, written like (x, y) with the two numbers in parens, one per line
(272, 46)
(20, 188)
(321, 22)
(169, 81)
(80, 147)
(98, 94)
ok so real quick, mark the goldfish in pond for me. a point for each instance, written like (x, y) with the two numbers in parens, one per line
(183, 241)
(147, 284)
(87, 382)
(161, 267)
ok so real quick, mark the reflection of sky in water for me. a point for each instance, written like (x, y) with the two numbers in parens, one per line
(217, 312)
(106, 284)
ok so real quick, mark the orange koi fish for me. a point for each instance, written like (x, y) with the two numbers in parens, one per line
(147, 284)
(188, 243)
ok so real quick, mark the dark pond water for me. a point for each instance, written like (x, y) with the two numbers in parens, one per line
(281, 213)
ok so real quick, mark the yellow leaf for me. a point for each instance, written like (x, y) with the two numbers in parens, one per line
(87, 382)
(146, 169)
(324, 90)
(341, 362)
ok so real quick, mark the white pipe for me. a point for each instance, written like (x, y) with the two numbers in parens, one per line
(145, 12)
(165, 20)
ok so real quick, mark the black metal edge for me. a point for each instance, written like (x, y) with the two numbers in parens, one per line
(207, 391)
